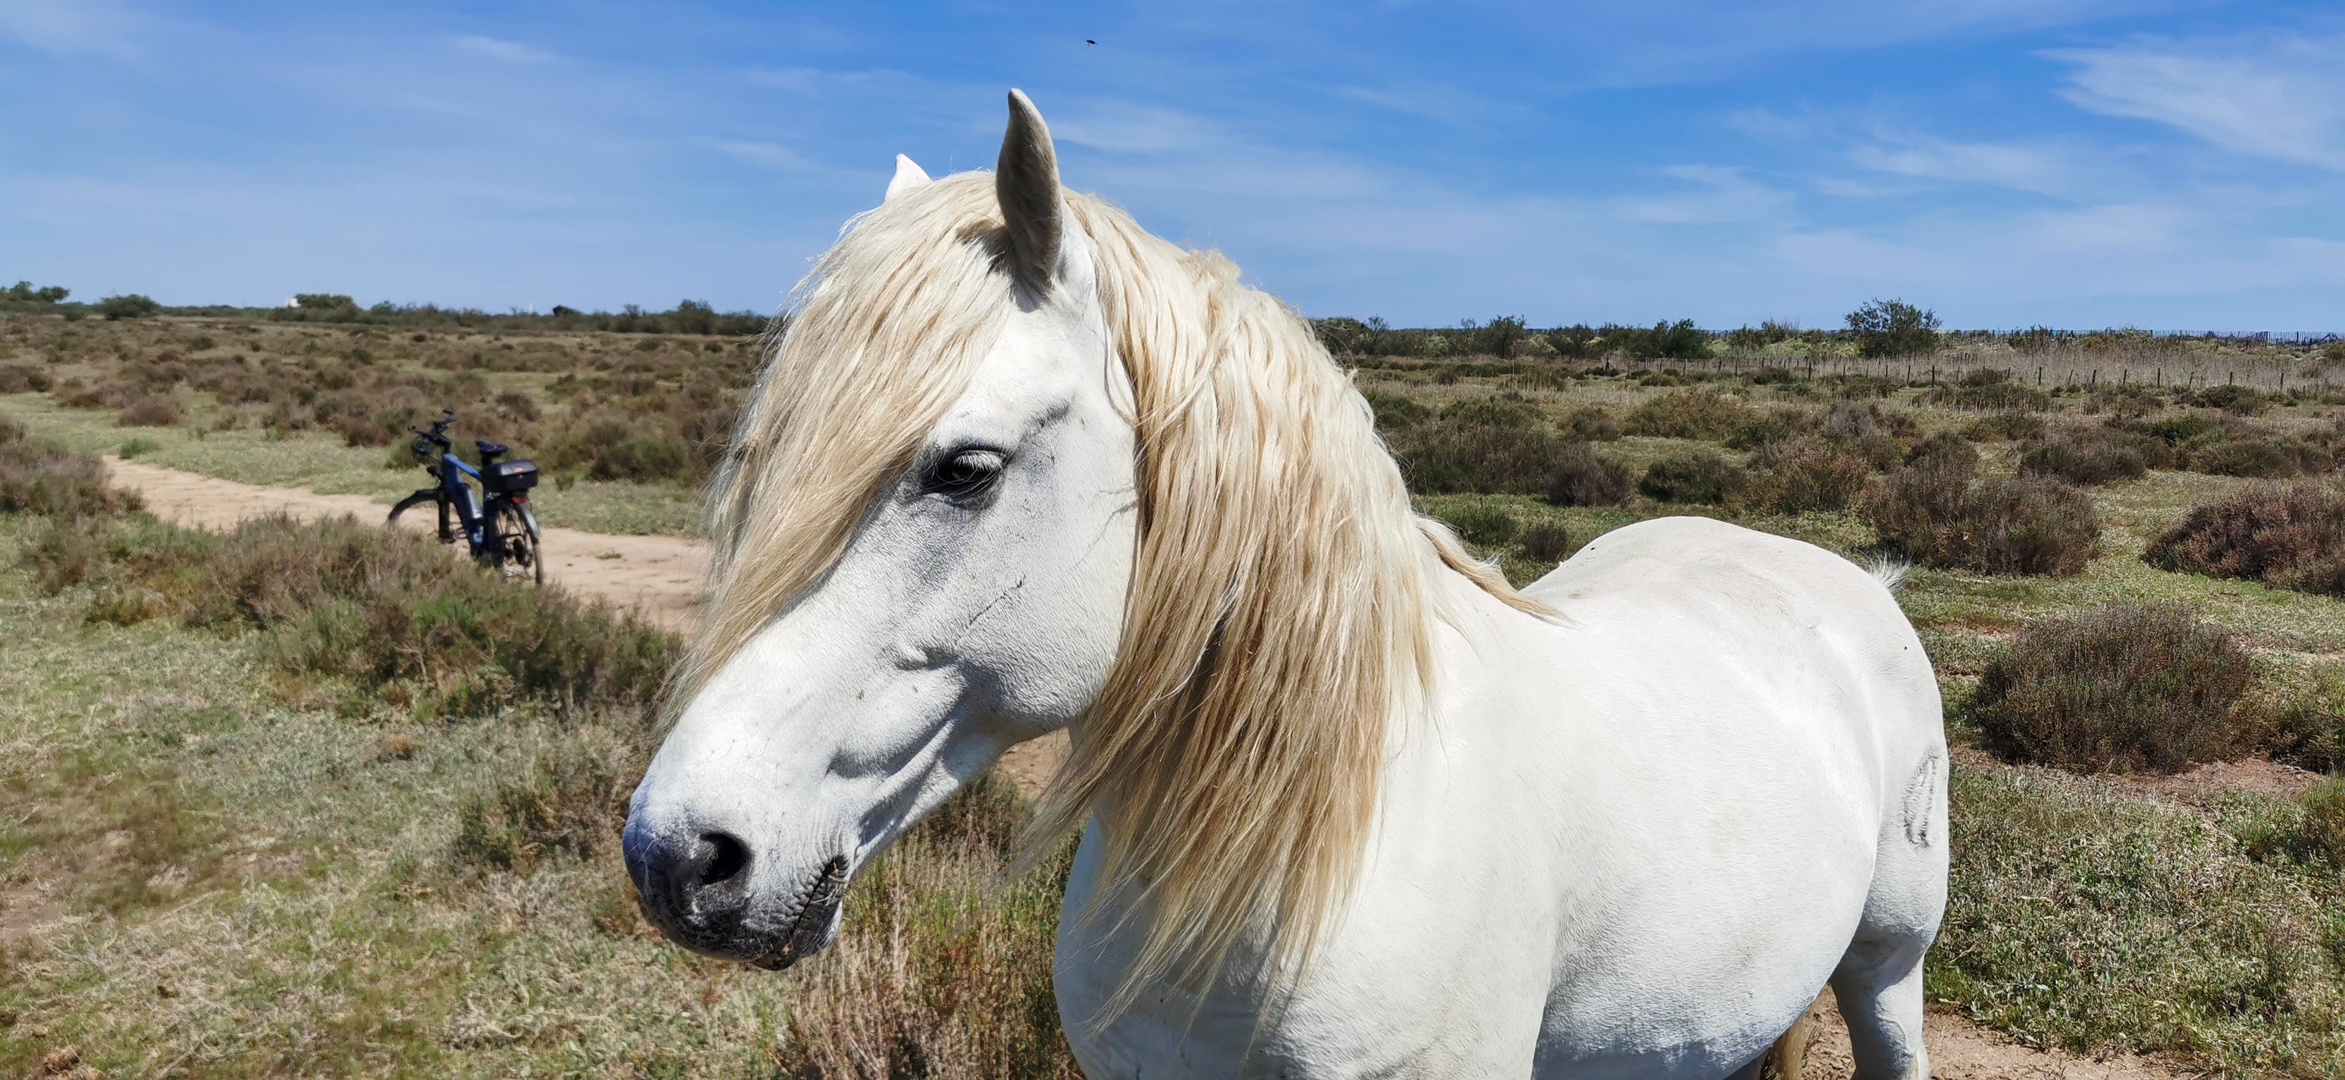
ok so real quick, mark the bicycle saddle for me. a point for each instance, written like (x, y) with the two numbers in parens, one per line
(489, 447)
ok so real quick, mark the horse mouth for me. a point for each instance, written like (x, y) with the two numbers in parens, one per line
(810, 930)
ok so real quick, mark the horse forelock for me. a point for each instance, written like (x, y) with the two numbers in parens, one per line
(1281, 612)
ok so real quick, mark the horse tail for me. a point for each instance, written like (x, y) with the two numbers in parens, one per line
(1889, 572)
(1789, 1055)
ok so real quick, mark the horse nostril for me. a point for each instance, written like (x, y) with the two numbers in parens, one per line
(729, 857)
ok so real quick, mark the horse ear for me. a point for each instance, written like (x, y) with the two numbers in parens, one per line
(1026, 182)
(908, 176)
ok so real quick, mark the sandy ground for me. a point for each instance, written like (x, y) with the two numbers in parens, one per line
(661, 576)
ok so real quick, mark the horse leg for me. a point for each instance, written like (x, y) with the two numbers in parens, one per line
(1879, 984)
(1785, 1059)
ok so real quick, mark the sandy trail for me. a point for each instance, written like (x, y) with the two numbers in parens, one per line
(661, 576)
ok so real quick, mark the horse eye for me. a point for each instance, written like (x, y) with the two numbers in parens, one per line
(964, 474)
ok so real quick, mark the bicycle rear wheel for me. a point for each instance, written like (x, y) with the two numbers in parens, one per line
(521, 561)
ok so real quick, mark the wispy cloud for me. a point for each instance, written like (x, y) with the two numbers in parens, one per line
(2279, 96)
(2040, 169)
(78, 27)
(512, 52)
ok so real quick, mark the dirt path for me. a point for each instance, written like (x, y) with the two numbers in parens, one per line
(661, 576)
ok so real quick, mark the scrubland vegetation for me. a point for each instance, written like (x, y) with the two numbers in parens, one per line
(320, 799)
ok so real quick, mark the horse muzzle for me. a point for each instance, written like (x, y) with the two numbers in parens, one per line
(700, 886)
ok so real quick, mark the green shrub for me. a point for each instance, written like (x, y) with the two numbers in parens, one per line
(1491, 446)
(1697, 413)
(150, 411)
(1584, 477)
(1893, 328)
(22, 378)
(2123, 688)
(1804, 474)
(1546, 542)
(2309, 729)
(2237, 400)
(1591, 424)
(2262, 458)
(2002, 427)
(1774, 427)
(128, 306)
(386, 609)
(2182, 433)
(38, 477)
(1698, 477)
(2290, 536)
(643, 460)
(134, 446)
(1944, 451)
(2094, 455)
(1484, 526)
(1990, 390)
(1393, 411)
(1680, 340)
(1935, 514)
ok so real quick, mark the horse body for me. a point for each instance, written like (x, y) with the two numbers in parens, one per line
(1580, 874)
(1355, 807)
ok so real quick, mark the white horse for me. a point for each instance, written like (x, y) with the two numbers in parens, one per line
(1351, 806)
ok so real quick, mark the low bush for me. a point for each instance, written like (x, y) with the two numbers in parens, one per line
(388, 610)
(2309, 729)
(2181, 433)
(1937, 515)
(1490, 445)
(38, 477)
(1545, 542)
(2094, 455)
(2290, 536)
(1944, 451)
(1697, 413)
(1990, 390)
(2236, 400)
(1770, 428)
(2123, 688)
(1393, 411)
(150, 411)
(1698, 477)
(2002, 427)
(22, 378)
(2262, 457)
(1591, 424)
(1804, 474)
(1484, 526)
(1584, 477)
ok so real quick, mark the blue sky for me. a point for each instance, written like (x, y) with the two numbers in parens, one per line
(2079, 163)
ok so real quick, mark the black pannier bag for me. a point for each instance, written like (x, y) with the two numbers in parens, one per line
(510, 475)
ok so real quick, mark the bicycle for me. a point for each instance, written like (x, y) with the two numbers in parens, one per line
(502, 529)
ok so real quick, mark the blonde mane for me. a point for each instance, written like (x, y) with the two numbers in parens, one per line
(1281, 612)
